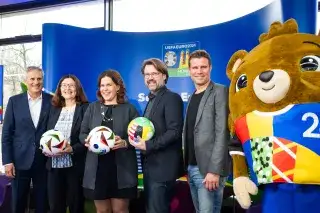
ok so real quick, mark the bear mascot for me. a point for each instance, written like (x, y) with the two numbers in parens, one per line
(274, 120)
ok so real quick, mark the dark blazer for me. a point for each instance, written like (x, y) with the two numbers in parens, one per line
(163, 157)
(211, 133)
(126, 159)
(79, 150)
(20, 138)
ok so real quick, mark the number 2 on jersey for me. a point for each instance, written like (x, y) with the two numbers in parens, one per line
(309, 133)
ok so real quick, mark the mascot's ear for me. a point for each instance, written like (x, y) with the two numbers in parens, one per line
(234, 62)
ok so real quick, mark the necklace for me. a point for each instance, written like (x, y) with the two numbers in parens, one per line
(69, 109)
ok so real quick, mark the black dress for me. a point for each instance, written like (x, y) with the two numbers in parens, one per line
(106, 185)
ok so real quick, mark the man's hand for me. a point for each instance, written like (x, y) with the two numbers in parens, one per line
(137, 142)
(211, 181)
(10, 170)
(119, 143)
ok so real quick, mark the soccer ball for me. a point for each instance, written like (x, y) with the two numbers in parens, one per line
(142, 127)
(101, 140)
(52, 142)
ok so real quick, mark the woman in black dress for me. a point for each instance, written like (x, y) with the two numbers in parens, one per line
(110, 179)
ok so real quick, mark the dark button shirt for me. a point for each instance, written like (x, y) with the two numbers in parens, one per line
(151, 101)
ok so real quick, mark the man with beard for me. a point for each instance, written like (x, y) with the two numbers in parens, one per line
(162, 154)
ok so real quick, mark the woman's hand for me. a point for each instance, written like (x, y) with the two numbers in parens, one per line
(48, 155)
(119, 143)
(53, 155)
(86, 142)
(68, 149)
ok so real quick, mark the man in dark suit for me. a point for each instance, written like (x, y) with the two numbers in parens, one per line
(24, 122)
(162, 155)
(206, 136)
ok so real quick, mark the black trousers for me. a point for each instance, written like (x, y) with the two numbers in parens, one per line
(65, 190)
(158, 194)
(21, 189)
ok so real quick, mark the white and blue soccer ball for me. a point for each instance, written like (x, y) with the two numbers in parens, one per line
(101, 140)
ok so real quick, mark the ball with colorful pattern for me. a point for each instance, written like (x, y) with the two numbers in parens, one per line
(142, 127)
(101, 140)
(52, 142)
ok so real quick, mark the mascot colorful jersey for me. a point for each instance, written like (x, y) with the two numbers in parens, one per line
(274, 118)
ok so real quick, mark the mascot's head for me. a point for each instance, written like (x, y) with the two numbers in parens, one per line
(283, 69)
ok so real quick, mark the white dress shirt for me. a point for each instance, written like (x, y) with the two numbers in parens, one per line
(35, 108)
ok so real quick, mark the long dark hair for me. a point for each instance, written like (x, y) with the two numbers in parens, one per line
(58, 100)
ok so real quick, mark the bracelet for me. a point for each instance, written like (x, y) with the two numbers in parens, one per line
(125, 143)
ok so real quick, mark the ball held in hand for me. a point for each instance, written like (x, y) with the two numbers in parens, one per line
(101, 140)
(52, 142)
(142, 127)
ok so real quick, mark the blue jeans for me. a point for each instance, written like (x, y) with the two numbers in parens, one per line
(158, 194)
(204, 201)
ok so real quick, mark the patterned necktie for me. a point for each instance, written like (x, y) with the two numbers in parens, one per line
(151, 96)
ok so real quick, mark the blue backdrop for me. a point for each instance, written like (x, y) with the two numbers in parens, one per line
(87, 52)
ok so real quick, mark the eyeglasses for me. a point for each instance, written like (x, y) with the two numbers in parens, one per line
(153, 74)
(72, 86)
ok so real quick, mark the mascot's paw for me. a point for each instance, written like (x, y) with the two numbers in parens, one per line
(242, 188)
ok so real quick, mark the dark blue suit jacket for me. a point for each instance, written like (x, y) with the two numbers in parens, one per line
(163, 155)
(20, 138)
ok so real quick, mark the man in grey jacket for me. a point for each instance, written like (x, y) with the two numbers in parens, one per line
(206, 136)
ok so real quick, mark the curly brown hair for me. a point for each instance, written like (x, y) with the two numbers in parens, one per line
(58, 100)
(117, 79)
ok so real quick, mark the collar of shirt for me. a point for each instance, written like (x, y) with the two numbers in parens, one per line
(153, 95)
(31, 99)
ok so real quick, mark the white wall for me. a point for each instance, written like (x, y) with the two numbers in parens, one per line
(167, 15)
